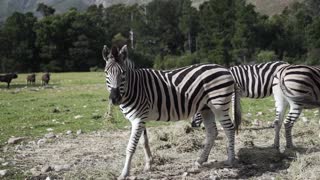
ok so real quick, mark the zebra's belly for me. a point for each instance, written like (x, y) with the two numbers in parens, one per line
(158, 114)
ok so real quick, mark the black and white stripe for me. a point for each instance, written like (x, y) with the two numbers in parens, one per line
(254, 81)
(177, 94)
(299, 87)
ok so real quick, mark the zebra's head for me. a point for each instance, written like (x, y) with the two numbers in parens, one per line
(115, 71)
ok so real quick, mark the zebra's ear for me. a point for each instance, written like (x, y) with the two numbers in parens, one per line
(124, 52)
(105, 51)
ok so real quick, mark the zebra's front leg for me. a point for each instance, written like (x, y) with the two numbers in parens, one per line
(136, 130)
(210, 127)
(293, 115)
(147, 151)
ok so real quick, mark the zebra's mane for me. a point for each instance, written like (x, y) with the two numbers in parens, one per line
(130, 64)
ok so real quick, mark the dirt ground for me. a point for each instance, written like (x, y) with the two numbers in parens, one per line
(101, 155)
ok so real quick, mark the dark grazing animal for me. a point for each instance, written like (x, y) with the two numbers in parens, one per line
(31, 79)
(45, 78)
(8, 78)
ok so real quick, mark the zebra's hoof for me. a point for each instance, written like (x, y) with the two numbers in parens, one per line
(147, 168)
(230, 162)
(200, 161)
(277, 147)
(290, 146)
(197, 164)
(121, 178)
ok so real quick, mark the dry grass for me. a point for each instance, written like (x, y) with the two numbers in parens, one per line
(100, 155)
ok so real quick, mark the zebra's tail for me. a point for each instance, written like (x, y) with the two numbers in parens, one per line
(307, 100)
(237, 108)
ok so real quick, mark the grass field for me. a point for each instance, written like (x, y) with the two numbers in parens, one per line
(72, 101)
(75, 101)
(30, 111)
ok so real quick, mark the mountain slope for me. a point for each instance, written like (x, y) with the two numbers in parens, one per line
(7, 7)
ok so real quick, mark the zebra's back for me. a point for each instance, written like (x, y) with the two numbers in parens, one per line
(255, 80)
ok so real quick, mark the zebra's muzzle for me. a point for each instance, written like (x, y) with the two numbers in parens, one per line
(115, 96)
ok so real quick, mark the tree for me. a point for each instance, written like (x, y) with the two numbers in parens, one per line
(45, 10)
(217, 28)
(245, 37)
(188, 24)
(18, 45)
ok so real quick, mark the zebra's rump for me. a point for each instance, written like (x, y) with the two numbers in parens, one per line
(301, 84)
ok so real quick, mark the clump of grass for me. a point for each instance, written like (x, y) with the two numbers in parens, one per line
(181, 138)
(305, 167)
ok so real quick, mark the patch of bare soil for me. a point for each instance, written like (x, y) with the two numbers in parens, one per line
(101, 155)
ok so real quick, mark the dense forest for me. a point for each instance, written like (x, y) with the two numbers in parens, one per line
(162, 34)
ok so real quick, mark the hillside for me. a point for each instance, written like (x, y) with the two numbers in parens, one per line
(7, 7)
(271, 7)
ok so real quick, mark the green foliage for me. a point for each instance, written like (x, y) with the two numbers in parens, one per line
(224, 32)
(265, 56)
(171, 62)
(118, 40)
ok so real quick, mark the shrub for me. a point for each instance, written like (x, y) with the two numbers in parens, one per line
(265, 56)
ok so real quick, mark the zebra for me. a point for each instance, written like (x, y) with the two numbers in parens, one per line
(299, 87)
(148, 94)
(254, 81)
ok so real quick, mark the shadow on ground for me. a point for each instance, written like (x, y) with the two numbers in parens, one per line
(255, 161)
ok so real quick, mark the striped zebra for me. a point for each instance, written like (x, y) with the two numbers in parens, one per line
(254, 81)
(299, 87)
(148, 94)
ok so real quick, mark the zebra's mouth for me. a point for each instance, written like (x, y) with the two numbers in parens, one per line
(116, 101)
(115, 96)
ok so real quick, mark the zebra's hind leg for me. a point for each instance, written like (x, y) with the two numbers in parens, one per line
(147, 151)
(136, 130)
(293, 115)
(281, 106)
(210, 127)
(229, 128)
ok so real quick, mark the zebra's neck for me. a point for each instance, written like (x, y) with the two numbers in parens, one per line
(135, 95)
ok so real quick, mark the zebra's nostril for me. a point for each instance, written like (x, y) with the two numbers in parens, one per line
(115, 96)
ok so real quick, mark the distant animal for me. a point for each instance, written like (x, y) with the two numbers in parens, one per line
(148, 94)
(31, 79)
(8, 78)
(45, 79)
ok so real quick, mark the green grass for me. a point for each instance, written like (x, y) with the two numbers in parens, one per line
(30, 111)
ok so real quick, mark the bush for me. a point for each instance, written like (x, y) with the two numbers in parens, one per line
(140, 60)
(313, 57)
(171, 62)
(265, 56)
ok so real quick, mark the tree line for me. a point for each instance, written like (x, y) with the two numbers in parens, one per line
(162, 34)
